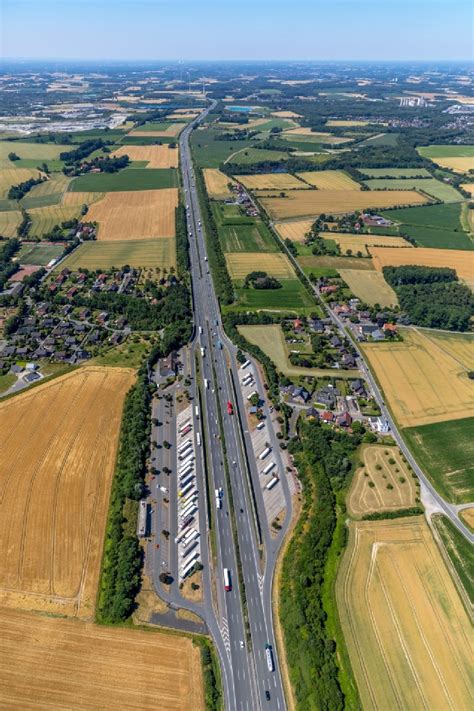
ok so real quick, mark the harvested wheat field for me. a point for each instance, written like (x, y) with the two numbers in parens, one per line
(9, 221)
(57, 183)
(422, 382)
(329, 180)
(43, 219)
(270, 181)
(285, 114)
(345, 122)
(461, 261)
(459, 346)
(51, 663)
(295, 230)
(319, 136)
(156, 156)
(138, 214)
(359, 242)
(14, 176)
(301, 203)
(275, 264)
(59, 443)
(467, 515)
(78, 199)
(171, 131)
(369, 286)
(469, 188)
(458, 164)
(394, 487)
(217, 183)
(406, 630)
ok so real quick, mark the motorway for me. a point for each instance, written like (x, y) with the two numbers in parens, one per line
(229, 534)
(245, 666)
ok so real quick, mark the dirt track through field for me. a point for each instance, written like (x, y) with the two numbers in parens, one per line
(48, 663)
(407, 632)
(54, 491)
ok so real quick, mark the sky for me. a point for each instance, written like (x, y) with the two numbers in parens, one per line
(237, 29)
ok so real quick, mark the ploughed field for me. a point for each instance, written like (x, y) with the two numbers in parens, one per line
(406, 630)
(59, 444)
(52, 663)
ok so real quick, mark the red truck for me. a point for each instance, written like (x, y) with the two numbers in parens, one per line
(230, 408)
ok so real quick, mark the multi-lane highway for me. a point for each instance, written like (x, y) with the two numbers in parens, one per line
(244, 629)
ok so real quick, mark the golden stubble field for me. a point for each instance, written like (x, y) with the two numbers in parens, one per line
(14, 176)
(271, 181)
(329, 180)
(172, 131)
(156, 156)
(460, 260)
(406, 630)
(301, 203)
(137, 214)
(383, 466)
(369, 286)
(52, 663)
(458, 164)
(422, 381)
(275, 264)
(59, 444)
(217, 183)
(359, 242)
(296, 230)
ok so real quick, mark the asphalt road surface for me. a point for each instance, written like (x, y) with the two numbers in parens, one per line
(246, 673)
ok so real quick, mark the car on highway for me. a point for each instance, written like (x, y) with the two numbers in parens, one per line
(267, 695)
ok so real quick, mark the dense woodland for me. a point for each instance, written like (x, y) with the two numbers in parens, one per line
(432, 297)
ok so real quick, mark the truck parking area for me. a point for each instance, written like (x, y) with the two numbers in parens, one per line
(188, 533)
(263, 443)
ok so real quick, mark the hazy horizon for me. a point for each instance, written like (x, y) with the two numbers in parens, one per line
(252, 30)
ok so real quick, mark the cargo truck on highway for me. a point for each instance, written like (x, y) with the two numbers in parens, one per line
(227, 580)
(269, 658)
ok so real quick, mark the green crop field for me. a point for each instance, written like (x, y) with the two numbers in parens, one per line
(272, 342)
(54, 166)
(32, 253)
(445, 452)
(434, 188)
(309, 263)
(445, 151)
(137, 253)
(30, 202)
(39, 152)
(208, 152)
(460, 552)
(230, 214)
(291, 297)
(127, 179)
(439, 216)
(395, 172)
(247, 238)
(43, 219)
(154, 126)
(257, 155)
(440, 239)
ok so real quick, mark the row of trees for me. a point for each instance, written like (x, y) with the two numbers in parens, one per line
(16, 192)
(323, 460)
(121, 567)
(7, 267)
(222, 281)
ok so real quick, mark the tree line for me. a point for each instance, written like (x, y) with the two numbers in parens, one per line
(432, 296)
(16, 192)
(322, 457)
